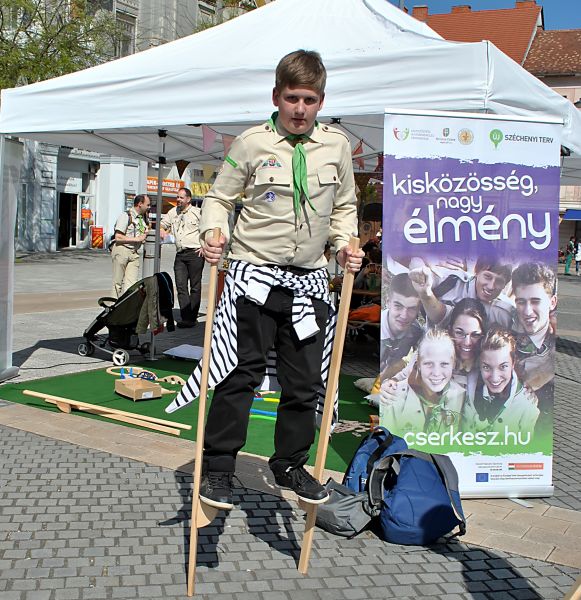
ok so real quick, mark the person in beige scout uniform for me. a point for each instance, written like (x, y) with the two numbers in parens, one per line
(183, 222)
(429, 400)
(535, 297)
(502, 403)
(130, 232)
(296, 177)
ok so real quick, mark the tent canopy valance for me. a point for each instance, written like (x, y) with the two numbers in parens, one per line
(376, 57)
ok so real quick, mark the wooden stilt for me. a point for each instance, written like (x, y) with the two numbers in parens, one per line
(202, 514)
(575, 592)
(330, 393)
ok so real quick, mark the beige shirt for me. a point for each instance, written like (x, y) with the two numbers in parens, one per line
(184, 225)
(131, 227)
(259, 165)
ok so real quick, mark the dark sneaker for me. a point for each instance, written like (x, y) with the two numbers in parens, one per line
(303, 484)
(185, 324)
(216, 489)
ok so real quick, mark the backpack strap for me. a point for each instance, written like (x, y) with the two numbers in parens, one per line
(450, 478)
(376, 480)
(443, 466)
(378, 452)
(445, 286)
(112, 240)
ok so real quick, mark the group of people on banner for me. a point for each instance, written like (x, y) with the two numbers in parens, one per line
(468, 345)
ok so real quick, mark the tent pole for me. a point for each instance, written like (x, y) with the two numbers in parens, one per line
(10, 161)
(330, 393)
(161, 134)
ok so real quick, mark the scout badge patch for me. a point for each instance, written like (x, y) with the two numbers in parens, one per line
(271, 162)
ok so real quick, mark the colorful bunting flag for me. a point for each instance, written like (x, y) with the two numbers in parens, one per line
(227, 141)
(359, 150)
(208, 138)
(181, 166)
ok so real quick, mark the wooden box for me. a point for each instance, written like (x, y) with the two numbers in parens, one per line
(137, 389)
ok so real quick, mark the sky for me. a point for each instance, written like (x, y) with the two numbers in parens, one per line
(558, 14)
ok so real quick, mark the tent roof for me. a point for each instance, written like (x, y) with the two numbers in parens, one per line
(376, 56)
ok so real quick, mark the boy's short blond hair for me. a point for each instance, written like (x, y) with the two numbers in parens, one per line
(440, 337)
(301, 68)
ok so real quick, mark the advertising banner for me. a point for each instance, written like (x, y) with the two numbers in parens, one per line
(468, 326)
(168, 186)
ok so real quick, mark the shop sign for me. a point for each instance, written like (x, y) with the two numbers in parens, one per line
(69, 182)
(168, 186)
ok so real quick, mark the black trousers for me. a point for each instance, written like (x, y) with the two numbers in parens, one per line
(299, 372)
(188, 267)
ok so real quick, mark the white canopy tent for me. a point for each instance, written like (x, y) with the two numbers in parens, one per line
(376, 57)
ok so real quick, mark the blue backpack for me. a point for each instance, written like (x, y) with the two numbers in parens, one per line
(415, 493)
(370, 450)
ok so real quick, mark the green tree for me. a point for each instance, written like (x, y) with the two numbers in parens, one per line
(41, 39)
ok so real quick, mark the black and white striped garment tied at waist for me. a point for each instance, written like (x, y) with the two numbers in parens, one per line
(255, 282)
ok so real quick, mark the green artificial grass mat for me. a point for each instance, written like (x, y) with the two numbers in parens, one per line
(97, 387)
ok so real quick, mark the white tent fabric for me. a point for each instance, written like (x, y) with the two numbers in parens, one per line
(376, 56)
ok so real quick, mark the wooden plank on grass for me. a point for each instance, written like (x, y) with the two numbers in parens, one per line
(111, 411)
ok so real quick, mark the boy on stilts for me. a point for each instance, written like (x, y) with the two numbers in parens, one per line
(296, 176)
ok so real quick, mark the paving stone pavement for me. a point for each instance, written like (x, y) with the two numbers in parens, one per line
(82, 523)
(77, 524)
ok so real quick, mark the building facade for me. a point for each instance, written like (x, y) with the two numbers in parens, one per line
(70, 198)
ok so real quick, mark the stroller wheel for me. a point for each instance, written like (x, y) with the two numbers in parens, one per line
(145, 348)
(120, 357)
(85, 349)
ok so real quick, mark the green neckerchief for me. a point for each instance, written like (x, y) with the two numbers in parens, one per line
(300, 184)
(439, 414)
(490, 398)
(140, 224)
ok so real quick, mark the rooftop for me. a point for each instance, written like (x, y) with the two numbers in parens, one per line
(510, 29)
(555, 53)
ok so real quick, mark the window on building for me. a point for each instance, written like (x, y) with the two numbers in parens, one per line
(94, 6)
(126, 44)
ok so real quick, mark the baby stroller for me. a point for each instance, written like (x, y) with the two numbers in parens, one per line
(148, 302)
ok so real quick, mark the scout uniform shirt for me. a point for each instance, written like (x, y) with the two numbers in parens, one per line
(411, 413)
(396, 349)
(259, 164)
(518, 413)
(535, 361)
(131, 224)
(184, 225)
